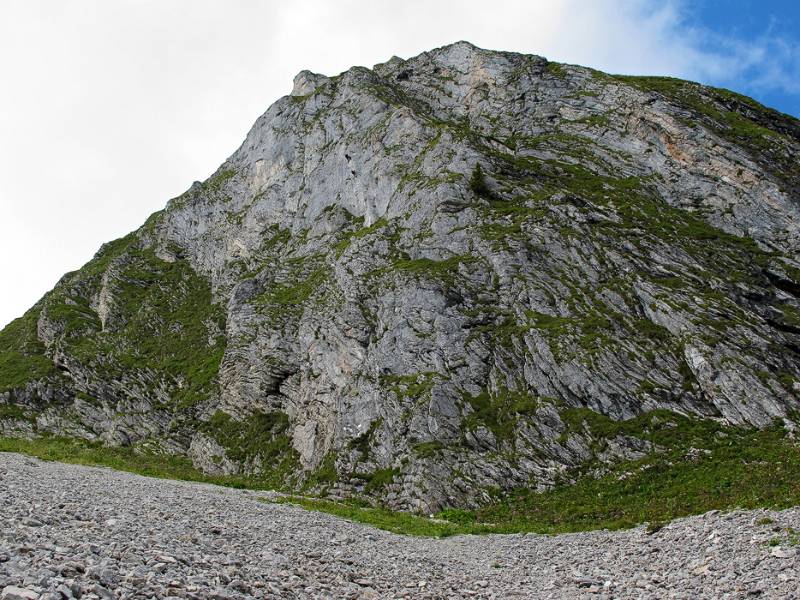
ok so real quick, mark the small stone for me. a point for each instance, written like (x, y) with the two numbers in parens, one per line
(103, 592)
(13, 592)
(31, 522)
(587, 582)
(166, 558)
(781, 552)
(240, 586)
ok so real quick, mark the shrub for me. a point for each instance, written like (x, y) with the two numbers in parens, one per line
(477, 182)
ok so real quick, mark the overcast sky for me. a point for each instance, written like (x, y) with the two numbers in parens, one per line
(109, 108)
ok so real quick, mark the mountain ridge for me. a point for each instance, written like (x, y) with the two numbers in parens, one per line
(412, 282)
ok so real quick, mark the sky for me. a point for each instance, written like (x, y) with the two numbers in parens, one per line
(109, 108)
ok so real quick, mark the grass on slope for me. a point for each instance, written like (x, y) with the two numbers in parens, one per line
(396, 522)
(727, 469)
(750, 469)
(22, 356)
(738, 469)
(765, 133)
(81, 452)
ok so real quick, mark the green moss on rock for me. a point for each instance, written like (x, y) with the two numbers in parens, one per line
(22, 355)
(260, 442)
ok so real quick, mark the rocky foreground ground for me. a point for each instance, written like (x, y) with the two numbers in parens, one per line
(70, 531)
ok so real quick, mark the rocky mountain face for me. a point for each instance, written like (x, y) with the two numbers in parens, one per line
(436, 278)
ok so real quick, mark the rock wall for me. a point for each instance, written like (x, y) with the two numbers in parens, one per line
(438, 277)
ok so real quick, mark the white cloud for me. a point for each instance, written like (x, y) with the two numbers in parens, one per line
(110, 108)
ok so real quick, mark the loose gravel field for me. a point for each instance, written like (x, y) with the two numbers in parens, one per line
(71, 531)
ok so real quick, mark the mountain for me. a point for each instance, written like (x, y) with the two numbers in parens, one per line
(438, 279)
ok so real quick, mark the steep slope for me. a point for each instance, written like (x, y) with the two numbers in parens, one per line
(438, 277)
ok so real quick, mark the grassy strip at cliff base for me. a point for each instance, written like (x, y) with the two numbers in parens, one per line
(746, 469)
(732, 468)
(741, 469)
(163, 466)
(396, 522)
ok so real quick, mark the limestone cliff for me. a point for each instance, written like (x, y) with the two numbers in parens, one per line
(437, 277)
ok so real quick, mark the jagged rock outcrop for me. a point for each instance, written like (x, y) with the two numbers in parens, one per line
(438, 277)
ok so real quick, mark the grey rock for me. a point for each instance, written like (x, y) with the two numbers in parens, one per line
(13, 592)
(779, 552)
(338, 287)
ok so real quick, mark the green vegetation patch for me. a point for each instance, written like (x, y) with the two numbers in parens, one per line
(12, 412)
(397, 522)
(288, 297)
(446, 271)
(163, 319)
(163, 466)
(261, 436)
(734, 117)
(708, 102)
(725, 469)
(217, 181)
(729, 468)
(477, 182)
(377, 480)
(556, 69)
(22, 357)
(635, 204)
(325, 475)
(416, 386)
(791, 316)
(357, 234)
(428, 449)
(363, 442)
(590, 331)
(663, 428)
(637, 213)
(500, 411)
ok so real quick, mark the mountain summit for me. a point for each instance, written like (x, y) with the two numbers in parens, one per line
(438, 278)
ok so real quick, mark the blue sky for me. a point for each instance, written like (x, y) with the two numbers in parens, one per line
(766, 33)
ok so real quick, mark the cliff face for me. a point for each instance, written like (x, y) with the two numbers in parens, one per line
(436, 277)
